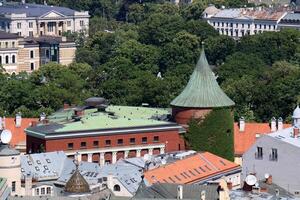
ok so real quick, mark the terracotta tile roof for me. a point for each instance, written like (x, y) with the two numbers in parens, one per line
(244, 140)
(18, 134)
(191, 169)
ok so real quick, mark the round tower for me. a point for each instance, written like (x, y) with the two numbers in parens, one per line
(200, 96)
(10, 164)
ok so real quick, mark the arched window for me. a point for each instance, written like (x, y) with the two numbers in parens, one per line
(6, 59)
(117, 188)
(13, 59)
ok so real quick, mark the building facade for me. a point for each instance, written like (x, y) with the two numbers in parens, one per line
(34, 20)
(276, 155)
(19, 54)
(239, 22)
(291, 20)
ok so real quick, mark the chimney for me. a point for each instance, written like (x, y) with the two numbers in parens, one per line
(242, 124)
(269, 180)
(279, 123)
(224, 191)
(18, 119)
(42, 116)
(179, 192)
(273, 124)
(28, 185)
(203, 194)
(295, 132)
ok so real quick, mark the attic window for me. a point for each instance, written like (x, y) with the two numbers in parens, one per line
(38, 162)
(29, 162)
(22, 170)
(48, 160)
(37, 168)
(45, 167)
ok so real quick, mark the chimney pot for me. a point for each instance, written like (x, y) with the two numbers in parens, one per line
(295, 132)
(242, 124)
(279, 123)
(18, 119)
(273, 124)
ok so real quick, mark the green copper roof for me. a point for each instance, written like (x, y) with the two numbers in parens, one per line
(202, 90)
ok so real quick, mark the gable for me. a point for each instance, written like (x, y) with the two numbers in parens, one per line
(52, 14)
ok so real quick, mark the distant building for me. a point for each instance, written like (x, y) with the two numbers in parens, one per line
(246, 134)
(35, 20)
(19, 54)
(238, 22)
(271, 2)
(291, 20)
(276, 156)
(199, 168)
(104, 134)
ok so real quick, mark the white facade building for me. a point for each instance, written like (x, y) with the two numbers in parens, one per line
(33, 20)
(243, 21)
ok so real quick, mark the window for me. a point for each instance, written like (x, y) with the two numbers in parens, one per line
(248, 25)
(6, 44)
(13, 186)
(222, 24)
(117, 188)
(48, 160)
(48, 190)
(83, 145)
(96, 143)
(37, 191)
(81, 23)
(19, 25)
(132, 140)
(0, 59)
(259, 153)
(45, 167)
(70, 145)
(265, 26)
(255, 25)
(270, 27)
(42, 190)
(260, 26)
(19, 33)
(30, 24)
(68, 23)
(107, 142)
(274, 155)
(155, 138)
(31, 66)
(13, 44)
(120, 141)
(37, 168)
(13, 59)
(6, 59)
(236, 25)
(214, 23)
(231, 24)
(31, 54)
(30, 33)
(50, 26)
(144, 139)
(274, 27)
(242, 25)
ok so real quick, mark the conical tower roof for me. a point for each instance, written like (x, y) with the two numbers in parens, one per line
(77, 183)
(202, 90)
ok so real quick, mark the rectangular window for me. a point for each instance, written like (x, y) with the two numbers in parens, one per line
(13, 186)
(156, 139)
(132, 140)
(42, 191)
(48, 190)
(68, 23)
(37, 191)
(274, 155)
(242, 25)
(222, 24)
(6, 44)
(96, 143)
(19, 33)
(83, 145)
(107, 142)
(30, 24)
(31, 54)
(255, 25)
(31, 66)
(265, 26)
(19, 25)
(13, 44)
(259, 153)
(30, 33)
(70, 145)
(120, 141)
(144, 139)
(236, 25)
(81, 23)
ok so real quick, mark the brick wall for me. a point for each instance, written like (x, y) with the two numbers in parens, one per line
(184, 115)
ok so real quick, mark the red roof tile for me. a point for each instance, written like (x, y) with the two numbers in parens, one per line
(18, 134)
(244, 140)
(191, 169)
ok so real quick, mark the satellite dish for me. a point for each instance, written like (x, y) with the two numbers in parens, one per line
(251, 180)
(5, 136)
(267, 176)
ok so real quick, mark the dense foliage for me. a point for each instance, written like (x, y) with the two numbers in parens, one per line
(213, 134)
(131, 42)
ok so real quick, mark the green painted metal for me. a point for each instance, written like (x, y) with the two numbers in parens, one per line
(202, 90)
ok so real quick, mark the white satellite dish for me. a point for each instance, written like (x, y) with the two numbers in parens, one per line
(267, 176)
(5, 136)
(251, 180)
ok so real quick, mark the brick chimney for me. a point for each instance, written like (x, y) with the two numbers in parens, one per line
(279, 124)
(295, 132)
(273, 124)
(242, 124)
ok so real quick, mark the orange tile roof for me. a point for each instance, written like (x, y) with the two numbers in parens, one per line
(18, 134)
(191, 169)
(244, 140)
